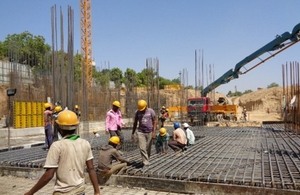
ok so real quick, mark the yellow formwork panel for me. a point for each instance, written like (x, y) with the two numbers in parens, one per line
(28, 108)
(40, 108)
(34, 121)
(17, 122)
(28, 114)
(40, 120)
(23, 108)
(23, 121)
(28, 121)
(34, 108)
(17, 108)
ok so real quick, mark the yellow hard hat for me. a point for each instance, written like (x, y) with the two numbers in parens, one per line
(114, 140)
(57, 109)
(117, 103)
(47, 105)
(76, 106)
(162, 131)
(142, 104)
(67, 120)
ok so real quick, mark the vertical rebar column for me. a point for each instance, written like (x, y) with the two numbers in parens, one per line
(70, 65)
(54, 51)
(290, 74)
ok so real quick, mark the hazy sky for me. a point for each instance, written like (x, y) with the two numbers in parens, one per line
(127, 32)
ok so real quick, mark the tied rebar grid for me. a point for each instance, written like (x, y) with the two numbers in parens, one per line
(248, 156)
(261, 157)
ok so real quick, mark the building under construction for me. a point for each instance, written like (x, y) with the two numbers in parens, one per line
(224, 160)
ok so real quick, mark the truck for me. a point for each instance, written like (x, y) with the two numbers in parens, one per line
(203, 109)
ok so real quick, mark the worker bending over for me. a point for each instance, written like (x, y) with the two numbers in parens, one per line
(162, 141)
(179, 139)
(107, 155)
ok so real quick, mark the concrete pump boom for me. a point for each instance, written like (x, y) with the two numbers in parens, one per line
(279, 44)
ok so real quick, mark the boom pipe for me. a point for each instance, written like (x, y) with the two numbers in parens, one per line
(277, 44)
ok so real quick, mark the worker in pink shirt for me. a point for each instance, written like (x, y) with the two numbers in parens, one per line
(114, 121)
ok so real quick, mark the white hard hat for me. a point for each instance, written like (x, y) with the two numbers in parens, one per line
(185, 125)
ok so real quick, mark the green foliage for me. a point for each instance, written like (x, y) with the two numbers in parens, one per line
(2, 51)
(102, 77)
(25, 48)
(130, 78)
(248, 91)
(116, 75)
(163, 82)
(272, 85)
(176, 81)
(189, 87)
(237, 93)
(77, 65)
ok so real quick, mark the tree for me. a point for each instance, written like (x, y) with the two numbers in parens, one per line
(130, 78)
(163, 82)
(229, 94)
(25, 48)
(247, 91)
(2, 51)
(116, 75)
(237, 93)
(176, 81)
(102, 77)
(272, 85)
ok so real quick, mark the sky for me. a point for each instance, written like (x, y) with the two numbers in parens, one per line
(127, 32)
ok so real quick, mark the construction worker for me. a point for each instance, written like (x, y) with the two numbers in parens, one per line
(68, 159)
(48, 125)
(56, 111)
(145, 122)
(189, 134)
(162, 140)
(77, 111)
(107, 154)
(164, 114)
(114, 121)
(244, 113)
(179, 141)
